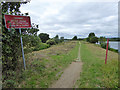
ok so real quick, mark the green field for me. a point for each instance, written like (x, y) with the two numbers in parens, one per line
(95, 73)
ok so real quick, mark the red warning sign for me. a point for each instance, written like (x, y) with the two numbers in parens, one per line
(14, 21)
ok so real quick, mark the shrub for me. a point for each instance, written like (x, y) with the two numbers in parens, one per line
(93, 39)
(102, 40)
(10, 83)
(114, 50)
(30, 43)
(103, 45)
(35, 40)
(41, 46)
(28, 50)
(51, 42)
(61, 39)
(56, 40)
(30, 40)
(88, 39)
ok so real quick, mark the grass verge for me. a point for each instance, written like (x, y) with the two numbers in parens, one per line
(95, 74)
(45, 66)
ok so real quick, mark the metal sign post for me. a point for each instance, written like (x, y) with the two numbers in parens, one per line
(18, 22)
(22, 48)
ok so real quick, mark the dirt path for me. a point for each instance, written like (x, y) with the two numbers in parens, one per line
(70, 75)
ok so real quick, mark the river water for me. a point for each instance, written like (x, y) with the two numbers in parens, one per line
(113, 44)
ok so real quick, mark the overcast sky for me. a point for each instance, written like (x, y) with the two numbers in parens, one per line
(70, 18)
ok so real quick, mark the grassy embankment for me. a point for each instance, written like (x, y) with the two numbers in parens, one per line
(95, 73)
(45, 66)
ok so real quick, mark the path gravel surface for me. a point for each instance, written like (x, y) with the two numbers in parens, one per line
(70, 75)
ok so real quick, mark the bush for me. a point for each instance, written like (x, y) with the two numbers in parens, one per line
(114, 50)
(93, 39)
(35, 40)
(61, 39)
(103, 45)
(10, 83)
(41, 46)
(51, 42)
(88, 39)
(56, 40)
(30, 41)
(102, 40)
(28, 50)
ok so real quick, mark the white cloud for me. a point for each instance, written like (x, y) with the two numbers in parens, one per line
(111, 18)
(74, 18)
(75, 0)
(86, 25)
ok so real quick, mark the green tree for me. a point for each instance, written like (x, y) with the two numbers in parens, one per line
(87, 39)
(34, 40)
(56, 38)
(74, 38)
(51, 42)
(102, 40)
(103, 45)
(91, 35)
(61, 39)
(44, 37)
(11, 7)
(92, 38)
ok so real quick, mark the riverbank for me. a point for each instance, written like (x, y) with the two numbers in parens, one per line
(113, 46)
(95, 73)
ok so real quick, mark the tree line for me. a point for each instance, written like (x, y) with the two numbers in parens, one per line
(51, 41)
(94, 39)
